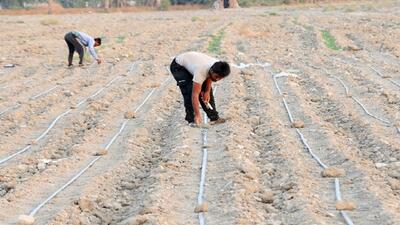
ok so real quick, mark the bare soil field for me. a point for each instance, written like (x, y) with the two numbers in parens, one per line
(312, 136)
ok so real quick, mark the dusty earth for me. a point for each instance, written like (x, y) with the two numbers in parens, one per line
(258, 171)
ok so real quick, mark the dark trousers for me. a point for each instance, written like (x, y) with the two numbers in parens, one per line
(73, 45)
(184, 80)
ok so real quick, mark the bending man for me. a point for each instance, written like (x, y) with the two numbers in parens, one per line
(76, 41)
(194, 73)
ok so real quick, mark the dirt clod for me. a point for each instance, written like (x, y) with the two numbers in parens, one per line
(25, 220)
(267, 197)
(203, 207)
(298, 124)
(130, 115)
(345, 205)
(333, 172)
(394, 184)
(101, 152)
(86, 204)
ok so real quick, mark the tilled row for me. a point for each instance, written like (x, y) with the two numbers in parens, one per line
(314, 94)
(70, 141)
(125, 192)
(307, 201)
(330, 150)
(24, 119)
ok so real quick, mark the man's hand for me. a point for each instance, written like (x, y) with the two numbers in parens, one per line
(206, 96)
(98, 61)
(195, 102)
(197, 120)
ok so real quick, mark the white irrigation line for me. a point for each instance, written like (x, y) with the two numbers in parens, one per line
(31, 98)
(200, 197)
(46, 66)
(337, 184)
(44, 92)
(360, 104)
(304, 140)
(382, 76)
(368, 113)
(242, 65)
(53, 123)
(37, 208)
(15, 154)
(394, 82)
(338, 195)
(203, 175)
(9, 108)
(98, 91)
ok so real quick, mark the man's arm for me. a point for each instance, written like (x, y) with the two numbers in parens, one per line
(91, 50)
(206, 96)
(195, 102)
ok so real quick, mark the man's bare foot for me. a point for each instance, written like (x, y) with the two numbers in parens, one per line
(218, 121)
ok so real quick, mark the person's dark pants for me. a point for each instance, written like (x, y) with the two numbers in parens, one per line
(73, 45)
(184, 80)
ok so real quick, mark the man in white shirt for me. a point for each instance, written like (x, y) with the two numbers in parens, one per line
(76, 41)
(194, 73)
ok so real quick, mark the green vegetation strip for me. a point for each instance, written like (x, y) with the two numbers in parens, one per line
(215, 44)
(330, 41)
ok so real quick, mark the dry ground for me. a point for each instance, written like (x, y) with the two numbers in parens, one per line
(259, 172)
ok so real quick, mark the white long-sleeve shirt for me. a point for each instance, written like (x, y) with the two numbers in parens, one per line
(87, 41)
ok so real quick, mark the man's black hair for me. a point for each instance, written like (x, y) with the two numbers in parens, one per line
(98, 40)
(221, 68)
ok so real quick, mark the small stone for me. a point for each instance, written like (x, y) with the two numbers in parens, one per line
(116, 206)
(11, 185)
(333, 172)
(22, 167)
(267, 197)
(288, 186)
(203, 207)
(34, 142)
(298, 124)
(68, 93)
(345, 205)
(394, 184)
(101, 152)
(25, 220)
(130, 115)
(85, 204)
(41, 166)
(255, 120)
